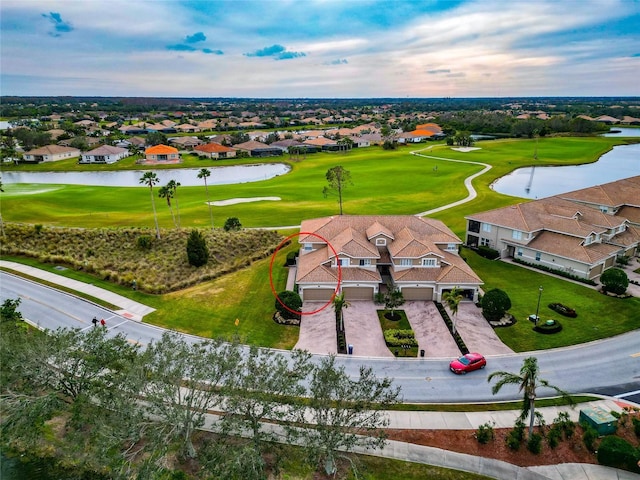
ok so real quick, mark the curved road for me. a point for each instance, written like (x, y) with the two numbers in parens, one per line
(608, 366)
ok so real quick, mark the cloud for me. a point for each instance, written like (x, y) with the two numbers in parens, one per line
(180, 47)
(437, 71)
(215, 52)
(276, 51)
(195, 38)
(337, 61)
(456, 75)
(59, 25)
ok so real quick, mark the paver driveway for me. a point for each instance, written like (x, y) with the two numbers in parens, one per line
(318, 331)
(363, 330)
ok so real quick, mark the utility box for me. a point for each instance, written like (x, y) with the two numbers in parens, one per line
(602, 421)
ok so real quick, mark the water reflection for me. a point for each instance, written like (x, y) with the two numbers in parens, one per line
(539, 182)
(188, 177)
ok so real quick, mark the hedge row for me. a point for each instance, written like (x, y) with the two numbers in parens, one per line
(399, 338)
(556, 271)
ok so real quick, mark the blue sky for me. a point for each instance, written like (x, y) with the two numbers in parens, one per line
(320, 48)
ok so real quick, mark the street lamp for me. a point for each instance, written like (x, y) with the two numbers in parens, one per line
(538, 307)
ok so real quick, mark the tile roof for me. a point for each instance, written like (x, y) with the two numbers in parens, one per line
(214, 148)
(106, 150)
(52, 150)
(572, 247)
(620, 192)
(160, 149)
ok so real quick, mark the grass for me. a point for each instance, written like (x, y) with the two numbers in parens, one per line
(401, 324)
(599, 316)
(385, 182)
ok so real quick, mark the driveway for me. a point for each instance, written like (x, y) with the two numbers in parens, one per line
(476, 332)
(431, 332)
(318, 331)
(363, 330)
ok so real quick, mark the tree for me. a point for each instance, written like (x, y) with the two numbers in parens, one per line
(232, 223)
(495, 304)
(9, 310)
(197, 251)
(341, 414)
(529, 382)
(150, 179)
(393, 298)
(339, 304)
(166, 192)
(345, 144)
(287, 303)
(453, 298)
(614, 280)
(203, 174)
(173, 187)
(185, 381)
(156, 138)
(338, 179)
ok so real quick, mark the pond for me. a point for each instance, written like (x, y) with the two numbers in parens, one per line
(188, 177)
(539, 182)
(622, 132)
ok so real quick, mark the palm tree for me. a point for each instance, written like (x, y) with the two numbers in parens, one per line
(453, 298)
(203, 174)
(151, 179)
(339, 304)
(529, 382)
(166, 192)
(173, 186)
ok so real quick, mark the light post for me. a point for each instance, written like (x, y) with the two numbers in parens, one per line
(538, 307)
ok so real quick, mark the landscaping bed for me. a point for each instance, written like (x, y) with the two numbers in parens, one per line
(398, 334)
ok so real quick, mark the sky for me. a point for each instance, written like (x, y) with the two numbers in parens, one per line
(320, 48)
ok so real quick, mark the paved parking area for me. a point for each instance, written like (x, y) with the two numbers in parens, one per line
(363, 331)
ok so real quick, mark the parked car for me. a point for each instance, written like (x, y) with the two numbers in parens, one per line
(467, 363)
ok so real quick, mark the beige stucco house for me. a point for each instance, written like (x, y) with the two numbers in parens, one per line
(359, 255)
(50, 153)
(580, 232)
(105, 154)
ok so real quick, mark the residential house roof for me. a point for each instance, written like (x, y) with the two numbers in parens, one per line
(53, 150)
(253, 145)
(160, 150)
(214, 148)
(106, 150)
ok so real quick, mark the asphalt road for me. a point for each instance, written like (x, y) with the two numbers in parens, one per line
(610, 366)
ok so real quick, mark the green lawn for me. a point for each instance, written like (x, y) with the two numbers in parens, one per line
(385, 182)
(599, 316)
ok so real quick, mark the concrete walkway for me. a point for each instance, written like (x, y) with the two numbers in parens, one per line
(129, 309)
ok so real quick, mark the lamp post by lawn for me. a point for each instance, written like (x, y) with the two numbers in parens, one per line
(538, 307)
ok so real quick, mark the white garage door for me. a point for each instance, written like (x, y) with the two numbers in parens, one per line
(417, 293)
(317, 294)
(358, 293)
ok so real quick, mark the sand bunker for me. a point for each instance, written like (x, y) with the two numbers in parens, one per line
(465, 149)
(233, 201)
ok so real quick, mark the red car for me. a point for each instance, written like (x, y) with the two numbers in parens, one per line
(467, 363)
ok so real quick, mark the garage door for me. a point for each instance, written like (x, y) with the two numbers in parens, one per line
(317, 294)
(358, 293)
(417, 293)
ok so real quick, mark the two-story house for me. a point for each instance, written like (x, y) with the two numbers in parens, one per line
(360, 255)
(580, 232)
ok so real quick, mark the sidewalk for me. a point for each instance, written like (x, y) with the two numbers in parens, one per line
(129, 308)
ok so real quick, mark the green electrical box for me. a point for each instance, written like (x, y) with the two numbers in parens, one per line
(602, 421)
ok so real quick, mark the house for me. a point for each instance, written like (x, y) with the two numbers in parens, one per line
(215, 151)
(580, 232)
(50, 153)
(161, 153)
(105, 154)
(185, 142)
(187, 128)
(359, 255)
(427, 131)
(326, 144)
(257, 149)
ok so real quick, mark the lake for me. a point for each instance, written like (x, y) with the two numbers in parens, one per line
(539, 182)
(623, 132)
(188, 177)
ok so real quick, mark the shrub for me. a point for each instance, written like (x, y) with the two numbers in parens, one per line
(144, 242)
(197, 251)
(485, 433)
(565, 424)
(379, 298)
(636, 426)
(513, 442)
(614, 280)
(589, 437)
(37, 228)
(544, 327)
(488, 252)
(398, 338)
(617, 452)
(554, 436)
(291, 258)
(534, 444)
(232, 223)
(288, 303)
(495, 304)
(555, 271)
(563, 310)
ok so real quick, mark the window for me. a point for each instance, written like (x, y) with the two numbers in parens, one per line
(604, 209)
(307, 247)
(365, 262)
(519, 252)
(538, 256)
(486, 227)
(381, 242)
(484, 242)
(516, 235)
(406, 262)
(587, 241)
(451, 247)
(343, 262)
(429, 262)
